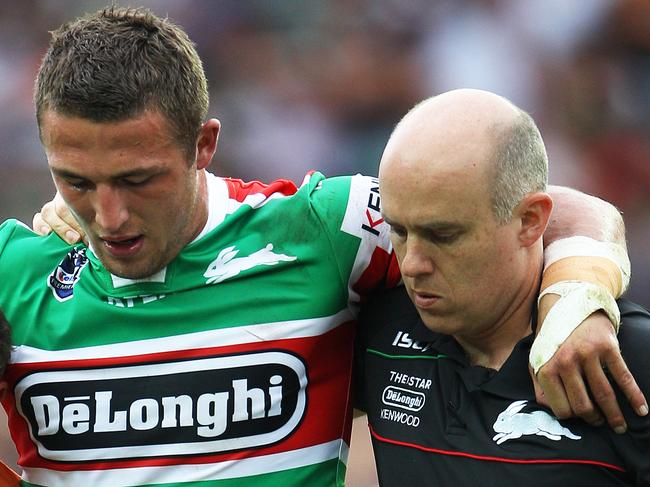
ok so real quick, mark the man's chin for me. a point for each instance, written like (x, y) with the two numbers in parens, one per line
(129, 270)
(436, 322)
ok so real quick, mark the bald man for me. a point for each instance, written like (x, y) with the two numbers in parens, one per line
(442, 363)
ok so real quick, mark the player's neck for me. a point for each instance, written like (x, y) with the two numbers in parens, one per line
(492, 347)
(202, 206)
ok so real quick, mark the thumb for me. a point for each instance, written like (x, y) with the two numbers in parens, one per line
(540, 398)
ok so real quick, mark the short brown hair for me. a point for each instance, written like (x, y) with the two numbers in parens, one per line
(520, 164)
(118, 62)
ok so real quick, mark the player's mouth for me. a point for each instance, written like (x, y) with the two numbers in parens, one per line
(125, 246)
(425, 300)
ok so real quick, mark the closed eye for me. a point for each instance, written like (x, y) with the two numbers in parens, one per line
(443, 238)
(135, 181)
(78, 184)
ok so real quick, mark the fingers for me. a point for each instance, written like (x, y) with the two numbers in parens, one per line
(39, 225)
(56, 217)
(68, 221)
(603, 394)
(540, 398)
(625, 380)
(581, 401)
(575, 384)
(551, 388)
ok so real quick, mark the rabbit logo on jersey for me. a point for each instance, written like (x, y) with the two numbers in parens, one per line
(512, 423)
(66, 274)
(192, 407)
(227, 266)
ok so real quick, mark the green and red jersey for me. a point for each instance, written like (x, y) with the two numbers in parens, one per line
(231, 366)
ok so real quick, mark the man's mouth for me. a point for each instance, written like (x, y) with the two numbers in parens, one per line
(424, 299)
(123, 246)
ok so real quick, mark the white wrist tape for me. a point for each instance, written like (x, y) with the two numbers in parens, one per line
(579, 246)
(577, 301)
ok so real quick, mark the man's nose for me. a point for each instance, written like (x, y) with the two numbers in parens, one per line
(111, 211)
(416, 260)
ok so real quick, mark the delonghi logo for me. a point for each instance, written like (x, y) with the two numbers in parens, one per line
(66, 274)
(403, 398)
(191, 407)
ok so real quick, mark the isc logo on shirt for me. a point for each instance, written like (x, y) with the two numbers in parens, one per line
(190, 407)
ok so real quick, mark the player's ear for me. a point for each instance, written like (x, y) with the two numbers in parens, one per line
(534, 212)
(206, 144)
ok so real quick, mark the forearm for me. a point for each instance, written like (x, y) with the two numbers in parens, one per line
(585, 254)
(577, 213)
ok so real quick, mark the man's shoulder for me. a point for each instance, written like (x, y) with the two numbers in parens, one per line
(16, 238)
(23, 252)
(388, 305)
(634, 339)
(11, 228)
(635, 324)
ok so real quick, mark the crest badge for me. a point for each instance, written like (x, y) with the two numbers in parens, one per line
(66, 274)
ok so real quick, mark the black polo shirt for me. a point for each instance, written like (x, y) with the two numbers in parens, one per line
(436, 420)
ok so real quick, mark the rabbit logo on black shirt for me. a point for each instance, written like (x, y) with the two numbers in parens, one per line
(511, 424)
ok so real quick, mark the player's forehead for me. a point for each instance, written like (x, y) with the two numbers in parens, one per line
(71, 130)
(97, 151)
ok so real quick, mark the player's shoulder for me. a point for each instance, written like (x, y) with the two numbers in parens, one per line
(241, 191)
(12, 226)
(13, 235)
(313, 185)
(634, 339)
(23, 249)
(355, 198)
(12, 231)
(387, 309)
(635, 320)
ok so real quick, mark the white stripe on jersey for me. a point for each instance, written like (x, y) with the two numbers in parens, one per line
(205, 339)
(189, 473)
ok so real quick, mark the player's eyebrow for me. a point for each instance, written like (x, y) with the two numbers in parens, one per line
(142, 171)
(433, 226)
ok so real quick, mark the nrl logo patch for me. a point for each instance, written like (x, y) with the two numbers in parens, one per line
(66, 274)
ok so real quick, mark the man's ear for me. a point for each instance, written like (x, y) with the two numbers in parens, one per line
(534, 212)
(207, 143)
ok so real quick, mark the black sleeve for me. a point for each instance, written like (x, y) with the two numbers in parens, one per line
(378, 312)
(634, 338)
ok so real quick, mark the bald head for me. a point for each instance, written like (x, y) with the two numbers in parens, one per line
(475, 136)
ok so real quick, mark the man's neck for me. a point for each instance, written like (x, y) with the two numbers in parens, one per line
(202, 207)
(493, 346)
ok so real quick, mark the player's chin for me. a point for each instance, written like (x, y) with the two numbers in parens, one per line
(434, 321)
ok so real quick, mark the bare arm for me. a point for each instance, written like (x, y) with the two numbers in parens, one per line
(576, 213)
(593, 345)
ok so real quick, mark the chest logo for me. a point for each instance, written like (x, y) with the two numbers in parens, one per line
(66, 274)
(200, 406)
(512, 424)
(227, 265)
